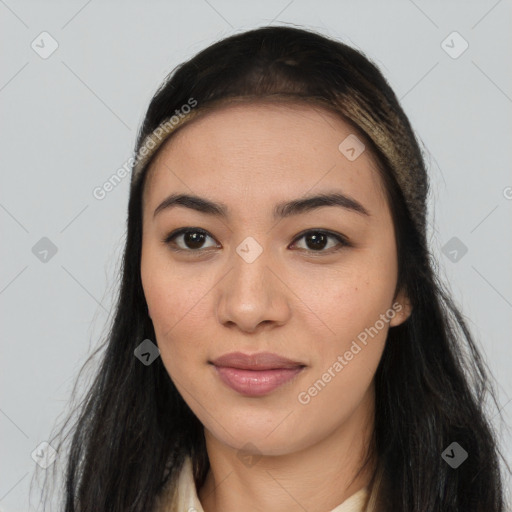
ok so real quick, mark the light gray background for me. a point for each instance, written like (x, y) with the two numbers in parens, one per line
(70, 121)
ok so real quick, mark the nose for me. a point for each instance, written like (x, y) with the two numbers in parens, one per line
(252, 296)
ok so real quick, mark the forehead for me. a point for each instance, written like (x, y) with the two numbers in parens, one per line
(263, 149)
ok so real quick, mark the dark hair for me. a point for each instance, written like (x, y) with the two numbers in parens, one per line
(134, 430)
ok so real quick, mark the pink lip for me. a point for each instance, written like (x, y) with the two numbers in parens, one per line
(256, 374)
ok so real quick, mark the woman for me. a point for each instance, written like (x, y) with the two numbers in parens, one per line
(308, 358)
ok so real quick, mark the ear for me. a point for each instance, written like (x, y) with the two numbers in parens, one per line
(402, 308)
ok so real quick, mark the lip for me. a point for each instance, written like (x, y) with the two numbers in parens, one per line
(256, 374)
(258, 361)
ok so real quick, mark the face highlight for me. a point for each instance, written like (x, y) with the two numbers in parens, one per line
(260, 235)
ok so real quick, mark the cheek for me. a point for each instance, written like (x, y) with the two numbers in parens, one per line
(166, 294)
(177, 310)
(345, 362)
(352, 302)
(348, 299)
(177, 305)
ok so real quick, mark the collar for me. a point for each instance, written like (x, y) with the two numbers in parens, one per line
(188, 500)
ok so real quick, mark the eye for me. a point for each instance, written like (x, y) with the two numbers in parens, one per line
(192, 239)
(317, 240)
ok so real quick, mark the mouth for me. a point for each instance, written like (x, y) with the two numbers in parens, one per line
(257, 374)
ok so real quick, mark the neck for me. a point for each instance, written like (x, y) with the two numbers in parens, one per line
(317, 478)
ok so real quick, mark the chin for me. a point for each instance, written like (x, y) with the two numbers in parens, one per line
(261, 436)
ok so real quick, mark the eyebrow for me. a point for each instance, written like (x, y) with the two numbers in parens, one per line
(281, 210)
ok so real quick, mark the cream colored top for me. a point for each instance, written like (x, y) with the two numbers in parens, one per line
(188, 500)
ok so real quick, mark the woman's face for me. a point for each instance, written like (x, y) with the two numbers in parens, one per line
(310, 282)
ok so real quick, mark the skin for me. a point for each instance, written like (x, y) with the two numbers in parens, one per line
(296, 300)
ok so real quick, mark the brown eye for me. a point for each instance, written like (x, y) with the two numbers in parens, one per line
(317, 241)
(188, 239)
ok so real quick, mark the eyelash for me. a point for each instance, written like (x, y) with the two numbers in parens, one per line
(342, 240)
